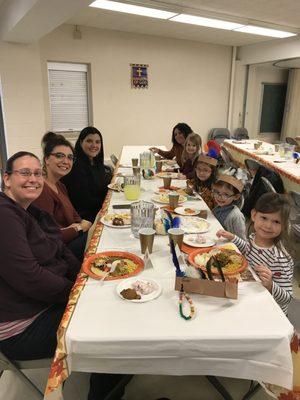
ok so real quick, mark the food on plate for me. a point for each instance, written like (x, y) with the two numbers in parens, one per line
(164, 198)
(102, 264)
(199, 239)
(117, 221)
(111, 218)
(130, 294)
(194, 224)
(143, 287)
(229, 260)
(117, 186)
(188, 210)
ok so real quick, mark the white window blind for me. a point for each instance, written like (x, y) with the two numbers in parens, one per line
(68, 90)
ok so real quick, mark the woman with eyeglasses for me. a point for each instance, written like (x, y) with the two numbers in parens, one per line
(58, 162)
(37, 270)
(87, 182)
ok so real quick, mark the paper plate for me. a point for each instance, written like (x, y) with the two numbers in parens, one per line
(164, 199)
(190, 240)
(187, 211)
(108, 222)
(97, 273)
(144, 297)
(194, 225)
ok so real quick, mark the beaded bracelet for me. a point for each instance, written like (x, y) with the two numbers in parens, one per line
(182, 294)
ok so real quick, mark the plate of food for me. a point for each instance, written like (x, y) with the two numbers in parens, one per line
(230, 261)
(164, 198)
(117, 186)
(124, 264)
(187, 211)
(194, 225)
(139, 290)
(166, 174)
(198, 240)
(116, 220)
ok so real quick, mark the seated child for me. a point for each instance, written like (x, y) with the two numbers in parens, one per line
(205, 171)
(226, 191)
(264, 249)
(192, 149)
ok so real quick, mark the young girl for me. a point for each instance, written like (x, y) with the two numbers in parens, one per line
(264, 249)
(205, 171)
(226, 191)
(192, 149)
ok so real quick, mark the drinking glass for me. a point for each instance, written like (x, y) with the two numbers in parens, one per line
(132, 189)
(142, 216)
(288, 151)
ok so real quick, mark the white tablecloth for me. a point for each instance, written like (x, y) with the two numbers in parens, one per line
(287, 169)
(244, 338)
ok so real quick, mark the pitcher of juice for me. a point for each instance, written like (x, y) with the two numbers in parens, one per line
(132, 188)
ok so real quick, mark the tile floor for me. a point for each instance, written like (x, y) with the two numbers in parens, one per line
(142, 387)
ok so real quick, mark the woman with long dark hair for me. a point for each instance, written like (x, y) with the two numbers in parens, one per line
(179, 134)
(58, 162)
(87, 182)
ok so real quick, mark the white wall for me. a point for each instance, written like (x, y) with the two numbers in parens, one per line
(188, 82)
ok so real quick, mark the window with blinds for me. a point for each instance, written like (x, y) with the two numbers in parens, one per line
(68, 92)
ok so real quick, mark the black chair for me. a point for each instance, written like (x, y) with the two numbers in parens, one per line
(268, 185)
(17, 366)
(241, 134)
(291, 140)
(258, 187)
(227, 159)
(219, 134)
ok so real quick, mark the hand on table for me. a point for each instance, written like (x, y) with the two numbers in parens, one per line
(154, 149)
(181, 176)
(265, 275)
(225, 234)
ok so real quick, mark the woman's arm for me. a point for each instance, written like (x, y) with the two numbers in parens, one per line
(19, 267)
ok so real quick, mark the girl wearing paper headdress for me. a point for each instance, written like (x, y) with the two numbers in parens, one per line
(227, 190)
(205, 175)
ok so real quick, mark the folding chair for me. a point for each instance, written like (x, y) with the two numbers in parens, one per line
(291, 140)
(241, 134)
(17, 366)
(114, 159)
(219, 134)
(268, 185)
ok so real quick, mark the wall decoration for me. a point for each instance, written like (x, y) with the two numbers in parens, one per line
(139, 76)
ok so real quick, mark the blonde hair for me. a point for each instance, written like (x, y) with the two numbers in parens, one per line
(195, 139)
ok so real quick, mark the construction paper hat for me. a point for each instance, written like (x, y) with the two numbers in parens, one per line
(232, 181)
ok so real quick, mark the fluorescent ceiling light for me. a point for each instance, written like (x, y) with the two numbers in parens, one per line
(131, 9)
(258, 30)
(210, 22)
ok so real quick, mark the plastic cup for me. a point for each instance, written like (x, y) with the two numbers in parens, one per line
(176, 235)
(146, 239)
(167, 182)
(135, 162)
(132, 188)
(173, 200)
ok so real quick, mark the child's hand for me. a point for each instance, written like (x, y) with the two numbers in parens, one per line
(265, 275)
(181, 176)
(225, 234)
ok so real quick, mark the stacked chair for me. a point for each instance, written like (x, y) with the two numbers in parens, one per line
(240, 134)
(219, 134)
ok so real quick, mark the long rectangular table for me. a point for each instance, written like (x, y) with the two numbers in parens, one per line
(245, 338)
(288, 170)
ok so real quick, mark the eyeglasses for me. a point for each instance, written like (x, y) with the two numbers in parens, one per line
(224, 196)
(62, 156)
(26, 173)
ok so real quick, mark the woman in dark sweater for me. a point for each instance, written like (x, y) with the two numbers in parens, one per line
(179, 134)
(37, 270)
(87, 182)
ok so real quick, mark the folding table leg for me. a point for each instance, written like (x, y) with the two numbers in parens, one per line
(123, 382)
(219, 387)
(254, 387)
